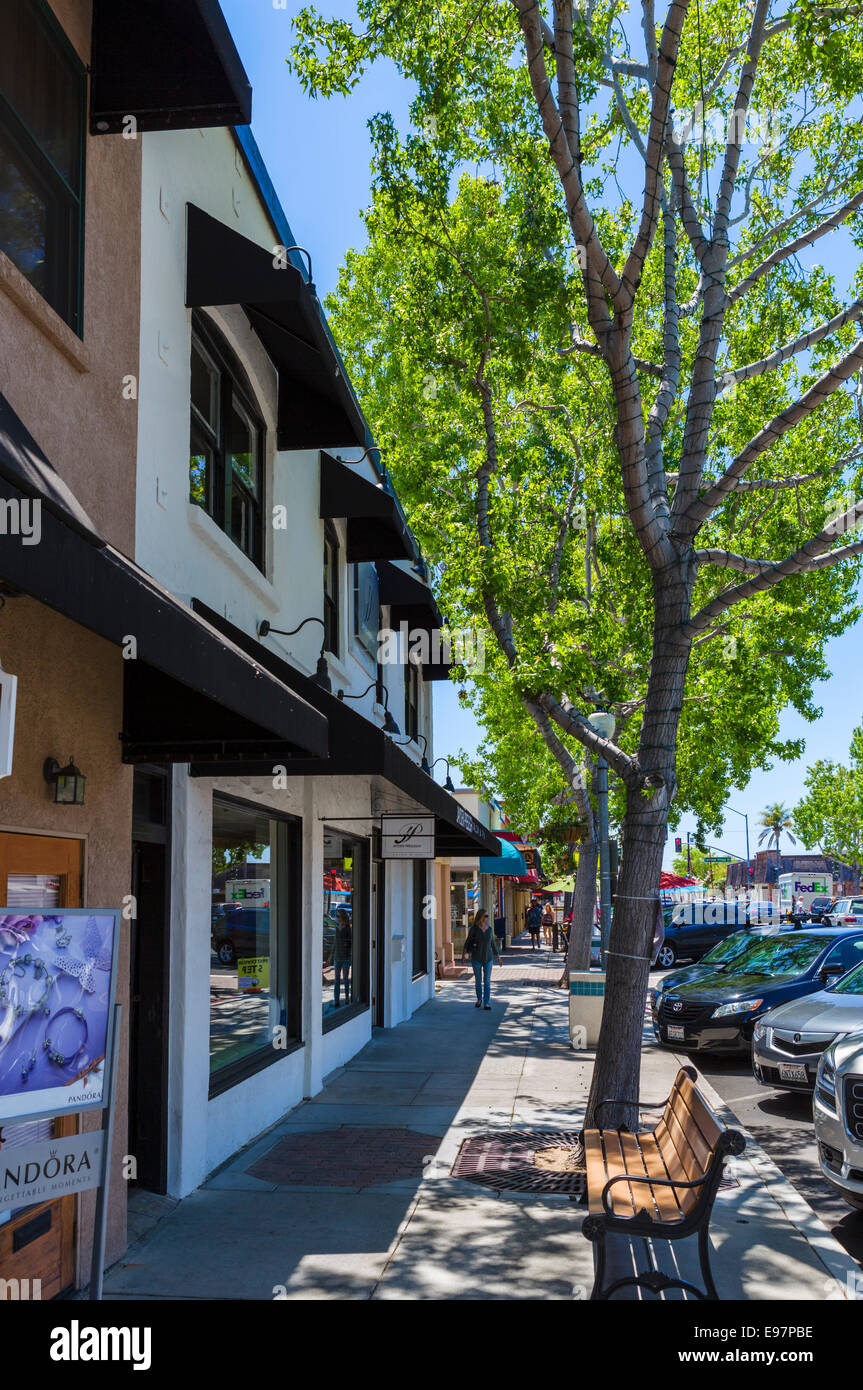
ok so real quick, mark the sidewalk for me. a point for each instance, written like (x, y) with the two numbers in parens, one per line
(350, 1195)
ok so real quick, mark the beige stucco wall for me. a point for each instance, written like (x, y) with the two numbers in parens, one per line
(69, 391)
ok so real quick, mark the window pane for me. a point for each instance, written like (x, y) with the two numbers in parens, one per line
(420, 923)
(345, 929)
(242, 523)
(42, 82)
(244, 987)
(205, 388)
(200, 469)
(38, 229)
(242, 447)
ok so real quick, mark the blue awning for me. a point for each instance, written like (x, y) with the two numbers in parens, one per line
(510, 862)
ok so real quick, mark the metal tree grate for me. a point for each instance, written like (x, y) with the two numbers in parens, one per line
(506, 1161)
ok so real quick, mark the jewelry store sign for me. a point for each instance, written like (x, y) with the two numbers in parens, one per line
(49, 1169)
(407, 837)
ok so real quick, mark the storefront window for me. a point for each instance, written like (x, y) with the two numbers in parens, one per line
(249, 956)
(345, 949)
(420, 921)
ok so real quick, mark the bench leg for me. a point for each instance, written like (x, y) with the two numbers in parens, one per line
(704, 1257)
(594, 1229)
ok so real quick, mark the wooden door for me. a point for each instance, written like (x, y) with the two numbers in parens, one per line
(38, 1242)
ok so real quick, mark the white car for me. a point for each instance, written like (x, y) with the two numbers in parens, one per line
(847, 912)
(838, 1113)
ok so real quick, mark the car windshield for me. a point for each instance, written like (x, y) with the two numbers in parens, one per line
(852, 983)
(780, 955)
(724, 950)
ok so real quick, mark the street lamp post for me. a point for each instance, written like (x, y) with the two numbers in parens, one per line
(746, 819)
(604, 724)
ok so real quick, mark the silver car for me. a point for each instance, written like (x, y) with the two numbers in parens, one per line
(838, 1112)
(788, 1041)
(845, 912)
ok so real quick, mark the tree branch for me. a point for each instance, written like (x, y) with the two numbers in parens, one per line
(817, 394)
(806, 340)
(791, 248)
(576, 724)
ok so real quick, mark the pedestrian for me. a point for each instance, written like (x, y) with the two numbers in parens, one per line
(534, 916)
(481, 946)
(547, 923)
(343, 951)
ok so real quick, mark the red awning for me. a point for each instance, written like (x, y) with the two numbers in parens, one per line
(667, 880)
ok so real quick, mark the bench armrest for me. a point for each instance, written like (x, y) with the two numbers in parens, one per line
(652, 1182)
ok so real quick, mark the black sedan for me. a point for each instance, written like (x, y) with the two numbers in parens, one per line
(721, 958)
(718, 1012)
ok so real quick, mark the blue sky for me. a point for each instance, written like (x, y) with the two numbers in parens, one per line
(318, 156)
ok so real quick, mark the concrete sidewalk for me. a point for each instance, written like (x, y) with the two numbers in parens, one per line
(350, 1195)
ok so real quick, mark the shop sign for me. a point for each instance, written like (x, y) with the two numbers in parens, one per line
(50, 1168)
(253, 974)
(57, 980)
(407, 837)
(8, 688)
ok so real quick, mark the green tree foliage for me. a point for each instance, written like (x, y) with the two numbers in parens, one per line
(777, 821)
(620, 409)
(830, 815)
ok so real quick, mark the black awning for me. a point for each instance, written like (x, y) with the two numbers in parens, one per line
(171, 64)
(413, 603)
(357, 747)
(23, 464)
(317, 407)
(375, 526)
(204, 676)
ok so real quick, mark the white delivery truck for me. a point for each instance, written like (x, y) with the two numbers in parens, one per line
(802, 887)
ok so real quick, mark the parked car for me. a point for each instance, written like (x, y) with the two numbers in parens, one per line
(718, 1012)
(693, 929)
(236, 932)
(837, 1109)
(720, 957)
(819, 907)
(845, 912)
(787, 1042)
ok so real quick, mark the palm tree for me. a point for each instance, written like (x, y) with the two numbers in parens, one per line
(777, 821)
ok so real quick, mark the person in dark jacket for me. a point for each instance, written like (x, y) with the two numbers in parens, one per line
(534, 919)
(343, 954)
(481, 946)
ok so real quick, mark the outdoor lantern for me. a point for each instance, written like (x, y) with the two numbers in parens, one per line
(602, 722)
(68, 782)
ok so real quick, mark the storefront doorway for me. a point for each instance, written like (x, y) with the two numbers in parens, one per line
(39, 873)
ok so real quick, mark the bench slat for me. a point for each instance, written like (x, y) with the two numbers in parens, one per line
(643, 1157)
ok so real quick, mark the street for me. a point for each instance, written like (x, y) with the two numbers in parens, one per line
(781, 1121)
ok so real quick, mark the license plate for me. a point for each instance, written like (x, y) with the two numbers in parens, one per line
(676, 1033)
(787, 1072)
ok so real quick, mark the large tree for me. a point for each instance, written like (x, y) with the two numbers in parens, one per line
(619, 404)
(830, 814)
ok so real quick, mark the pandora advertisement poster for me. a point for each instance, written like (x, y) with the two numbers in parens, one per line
(56, 991)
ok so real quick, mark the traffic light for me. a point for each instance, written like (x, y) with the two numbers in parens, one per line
(678, 845)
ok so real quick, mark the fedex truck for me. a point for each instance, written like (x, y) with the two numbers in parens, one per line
(802, 886)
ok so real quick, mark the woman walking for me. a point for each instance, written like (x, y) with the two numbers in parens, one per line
(481, 946)
(547, 923)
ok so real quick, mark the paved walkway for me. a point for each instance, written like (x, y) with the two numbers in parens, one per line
(350, 1195)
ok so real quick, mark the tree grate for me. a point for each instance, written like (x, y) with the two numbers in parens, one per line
(506, 1161)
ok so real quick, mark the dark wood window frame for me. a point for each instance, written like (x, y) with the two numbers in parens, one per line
(419, 934)
(332, 580)
(63, 199)
(220, 486)
(362, 1005)
(412, 699)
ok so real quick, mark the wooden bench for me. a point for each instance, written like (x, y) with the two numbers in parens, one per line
(659, 1184)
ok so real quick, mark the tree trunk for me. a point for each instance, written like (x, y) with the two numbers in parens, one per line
(583, 909)
(618, 1056)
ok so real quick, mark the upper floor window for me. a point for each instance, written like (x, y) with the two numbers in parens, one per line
(331, 590)
(43, 97)
(412, 699)
(226, 446)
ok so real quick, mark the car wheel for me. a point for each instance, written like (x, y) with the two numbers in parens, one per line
(666, 956)
(225, 952)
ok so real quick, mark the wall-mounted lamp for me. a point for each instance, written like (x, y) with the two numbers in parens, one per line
(68, 782)
(322, 671)
(390, 725)
(448, 784)
(425, 762)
